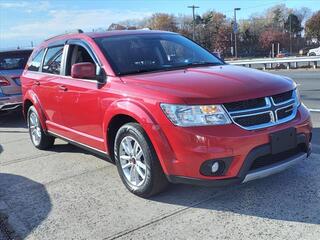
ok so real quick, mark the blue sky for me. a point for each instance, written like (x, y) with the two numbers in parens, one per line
(23, 21)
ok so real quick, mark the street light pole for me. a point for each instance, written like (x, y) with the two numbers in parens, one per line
(194, 19)
(235, 29)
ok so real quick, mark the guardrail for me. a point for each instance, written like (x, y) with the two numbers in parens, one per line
(270, 62)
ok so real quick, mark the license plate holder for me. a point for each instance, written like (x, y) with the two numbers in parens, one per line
(283, 140)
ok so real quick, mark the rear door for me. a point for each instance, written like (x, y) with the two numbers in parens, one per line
(42, 77)
(48, 83)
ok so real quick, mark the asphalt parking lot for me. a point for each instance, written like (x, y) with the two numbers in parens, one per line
(67, 193)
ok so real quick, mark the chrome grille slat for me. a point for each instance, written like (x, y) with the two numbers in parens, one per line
(282, 103)
(282, 97)
(243, 105)
(276, 110)
(252, 110)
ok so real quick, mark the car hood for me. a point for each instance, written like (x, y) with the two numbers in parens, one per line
(314, 49)
(214, 84)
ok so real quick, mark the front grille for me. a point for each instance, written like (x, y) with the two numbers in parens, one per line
(253, 120)
(284, 112)
(276, 158)
(282, 97)
(263, 112)
(242, 105)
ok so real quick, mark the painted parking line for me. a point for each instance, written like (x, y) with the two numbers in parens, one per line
(314, 110)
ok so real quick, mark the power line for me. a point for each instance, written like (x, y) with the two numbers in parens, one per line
(261, 5)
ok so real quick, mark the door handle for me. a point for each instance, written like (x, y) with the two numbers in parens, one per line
(63, 88)
(37, 83)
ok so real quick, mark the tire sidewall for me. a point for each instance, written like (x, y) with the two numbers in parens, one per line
(139, 136)
(32, 109)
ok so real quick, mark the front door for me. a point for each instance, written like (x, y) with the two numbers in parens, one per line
(81, 110)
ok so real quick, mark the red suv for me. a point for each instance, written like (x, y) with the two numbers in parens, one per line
(164, 109)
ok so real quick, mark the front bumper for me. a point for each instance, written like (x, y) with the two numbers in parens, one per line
(10, 102)
(191, 147)
(245, 174)
(275, 168)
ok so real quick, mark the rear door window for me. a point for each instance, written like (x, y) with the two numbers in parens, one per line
(52, 60)
(36, 61)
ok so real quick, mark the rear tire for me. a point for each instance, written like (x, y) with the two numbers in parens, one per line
(38, 137)
(137, 162)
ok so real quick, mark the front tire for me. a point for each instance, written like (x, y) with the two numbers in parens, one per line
(137, 162)
(38, 137)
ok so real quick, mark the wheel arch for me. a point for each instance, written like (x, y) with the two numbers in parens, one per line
(114, 125)
(122, 112)
(30, 99)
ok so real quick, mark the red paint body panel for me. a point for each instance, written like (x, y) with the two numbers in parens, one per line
(219, 84)
(84, 110)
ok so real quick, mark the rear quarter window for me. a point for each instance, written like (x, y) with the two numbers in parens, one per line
(52, 60)
(36, 60)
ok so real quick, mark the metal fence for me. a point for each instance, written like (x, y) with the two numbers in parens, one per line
(269, 63)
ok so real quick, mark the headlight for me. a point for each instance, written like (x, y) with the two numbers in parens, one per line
(297, 96)
(195, 115)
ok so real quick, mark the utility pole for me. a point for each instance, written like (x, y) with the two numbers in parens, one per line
(235, 30)
(272, 50)
(194, 20)
(290, 17)
(231, 38)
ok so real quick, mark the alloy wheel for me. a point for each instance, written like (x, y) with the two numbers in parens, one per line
(35, 128)
(132, 161)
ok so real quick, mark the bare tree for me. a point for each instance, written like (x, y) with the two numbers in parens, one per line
(313, 26)
(162, 21)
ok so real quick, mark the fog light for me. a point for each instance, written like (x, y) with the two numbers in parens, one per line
(215, 167)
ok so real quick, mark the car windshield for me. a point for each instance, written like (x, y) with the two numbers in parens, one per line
(141, 53)
(14, 60)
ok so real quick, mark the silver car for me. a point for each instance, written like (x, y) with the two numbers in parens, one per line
(12, 64)
(314, 52)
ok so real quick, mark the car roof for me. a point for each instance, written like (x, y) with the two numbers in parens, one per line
(124, 32)
(102, 34)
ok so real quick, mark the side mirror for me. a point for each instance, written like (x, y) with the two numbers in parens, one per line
(86, 70)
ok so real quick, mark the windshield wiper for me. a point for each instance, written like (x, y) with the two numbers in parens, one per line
(192, 64)
(141, 71)
(203, 63)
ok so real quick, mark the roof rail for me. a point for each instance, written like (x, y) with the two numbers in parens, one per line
(66, 33)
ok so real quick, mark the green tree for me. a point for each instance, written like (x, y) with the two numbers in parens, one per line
(276, 16)
(293, 24)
